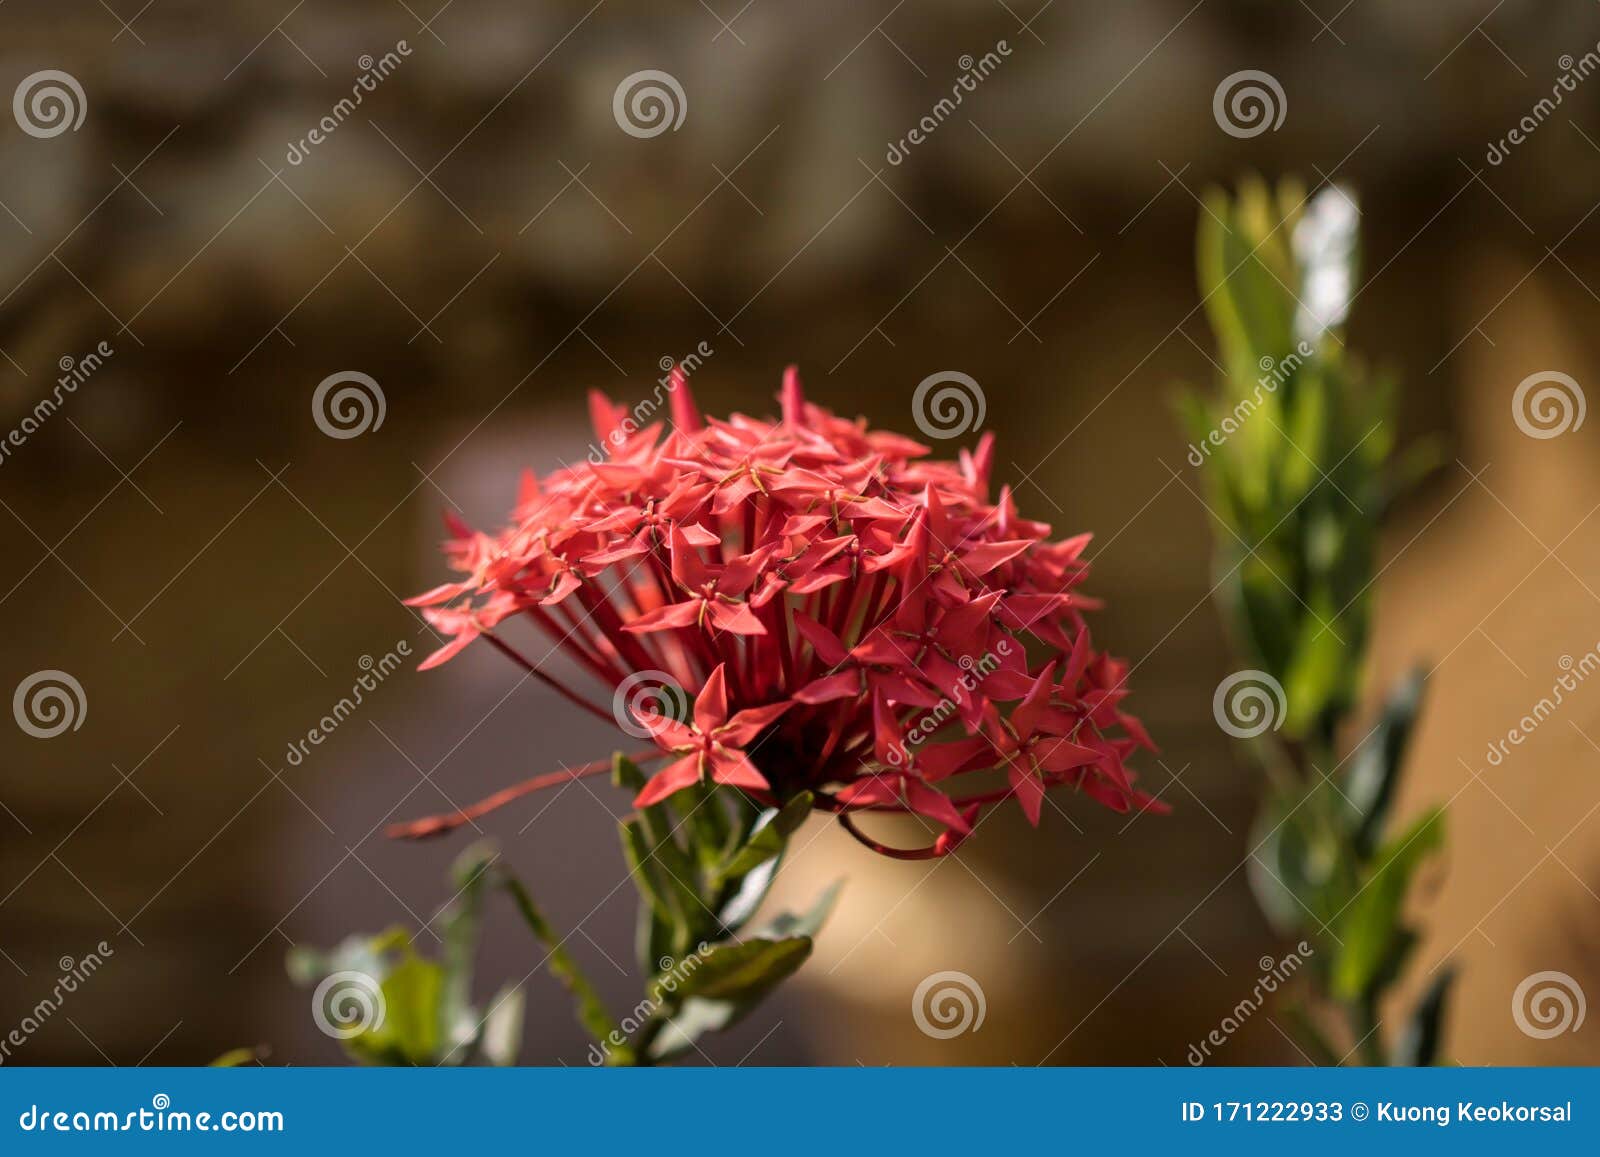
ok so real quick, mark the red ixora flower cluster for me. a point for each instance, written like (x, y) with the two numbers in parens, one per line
(851, 617)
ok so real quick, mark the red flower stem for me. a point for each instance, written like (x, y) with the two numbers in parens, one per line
(785, 650)
(605, 617)
(554, 684)
(448, 821)
(932, 851)
(580, 646)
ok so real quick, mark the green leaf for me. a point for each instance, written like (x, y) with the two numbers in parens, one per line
(592, 1012)
(1269, 614)
(692, 1021)
(1419, 1041)
(233, 1058)
(410, 988)
(1246, 271)
(711, 1008)
(1374, 772)
(807, 923)
(770, 837)
(675, 904)
(728, 982)
(1304, 432)
(1318, 680)
(357, 953)
(702, 818)
(502, 1027)
(409, 1030)
(1370, 926)
(662, 871)
(740, 972)
(459, 926)
(752, 890)
(1281, 871)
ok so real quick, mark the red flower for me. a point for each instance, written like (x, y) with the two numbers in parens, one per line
(710, 746)
(853, 617)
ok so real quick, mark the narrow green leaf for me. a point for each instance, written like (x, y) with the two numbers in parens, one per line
(459, 927)
(743, 971)
(410, 1028)
(700, 815)
(1280, 870)
(1370, 927)
(502, 1027)
(592, 1012)
(674, 903)
(1319, 677)
(1374, 773)
(1419, 1041)
(661, 862)
(233, 1058)
(692, 1021)
(746, 899)
(807, 923)
(770, 837)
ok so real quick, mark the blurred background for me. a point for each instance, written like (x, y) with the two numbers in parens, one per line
(482, 238)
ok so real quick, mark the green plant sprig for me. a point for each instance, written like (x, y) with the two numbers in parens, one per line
(702, 863)
(1296, 450)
